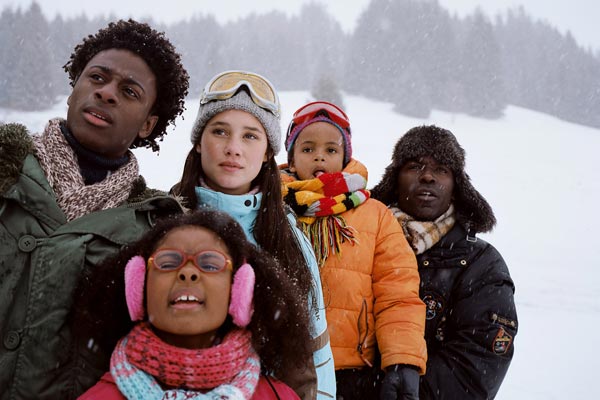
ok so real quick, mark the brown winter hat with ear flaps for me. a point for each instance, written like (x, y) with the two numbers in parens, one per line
(472, 210)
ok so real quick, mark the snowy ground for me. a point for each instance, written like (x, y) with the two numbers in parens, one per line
(540, 176)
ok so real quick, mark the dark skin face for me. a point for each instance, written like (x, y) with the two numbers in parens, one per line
(425, 188)
(111, 102)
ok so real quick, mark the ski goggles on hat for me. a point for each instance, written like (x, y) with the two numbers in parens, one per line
(209, 261)
(226, 85)
(311, 110)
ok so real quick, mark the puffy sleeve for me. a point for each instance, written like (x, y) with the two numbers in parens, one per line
(399, 312)
(322, 355)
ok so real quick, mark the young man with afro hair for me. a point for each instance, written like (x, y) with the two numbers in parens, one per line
(72, 196)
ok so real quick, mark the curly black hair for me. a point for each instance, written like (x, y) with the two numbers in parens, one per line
(160, 55)
(279, 326)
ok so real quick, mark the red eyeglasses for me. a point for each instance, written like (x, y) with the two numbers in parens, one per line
(209, 261)
(310, 110)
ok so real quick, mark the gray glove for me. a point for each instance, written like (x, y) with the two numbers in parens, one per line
(401, 382)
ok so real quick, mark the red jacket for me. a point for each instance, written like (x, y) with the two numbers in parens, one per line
(106, 389)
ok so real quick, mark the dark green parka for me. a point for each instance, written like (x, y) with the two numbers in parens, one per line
(41, 256)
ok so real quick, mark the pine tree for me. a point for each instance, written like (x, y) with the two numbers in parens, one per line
(8, 21)
(327, 89)
(481, 77)
(29, 80)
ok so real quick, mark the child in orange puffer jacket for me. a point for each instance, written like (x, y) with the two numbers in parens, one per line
(368, 271)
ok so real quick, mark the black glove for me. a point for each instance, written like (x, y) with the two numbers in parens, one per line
(401, 382)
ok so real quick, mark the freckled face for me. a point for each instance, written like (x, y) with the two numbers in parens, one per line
(186, 307)
(318, 149)
(425, 188)
(233, 147)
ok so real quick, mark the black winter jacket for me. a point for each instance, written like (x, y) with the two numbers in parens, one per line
(471, 318)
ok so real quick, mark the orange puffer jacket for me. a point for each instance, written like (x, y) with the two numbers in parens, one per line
(371, 292)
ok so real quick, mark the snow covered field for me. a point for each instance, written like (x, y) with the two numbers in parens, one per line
(540, 175)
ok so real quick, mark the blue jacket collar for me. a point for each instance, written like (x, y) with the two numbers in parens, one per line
(243, 208)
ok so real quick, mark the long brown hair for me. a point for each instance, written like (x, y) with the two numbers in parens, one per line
(272, 230)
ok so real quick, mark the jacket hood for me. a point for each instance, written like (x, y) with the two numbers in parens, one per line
(15, 145)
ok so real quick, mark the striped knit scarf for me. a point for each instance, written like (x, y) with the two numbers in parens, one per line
(423, 235)
(61, 168)
(141, 362)
(319, 203)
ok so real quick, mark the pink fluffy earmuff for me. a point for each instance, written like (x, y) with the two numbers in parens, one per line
(135, 277)
(242, 291)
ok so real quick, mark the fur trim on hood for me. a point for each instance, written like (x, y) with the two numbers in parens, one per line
(15, 144)
(472, 210)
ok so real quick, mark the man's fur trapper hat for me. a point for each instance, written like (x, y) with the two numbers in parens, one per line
(472, 211)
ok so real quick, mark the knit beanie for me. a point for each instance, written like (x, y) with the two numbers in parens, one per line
(240, 101)
(292, 135)
(472, 210)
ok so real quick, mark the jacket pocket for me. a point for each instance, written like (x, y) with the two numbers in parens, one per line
(363, 331)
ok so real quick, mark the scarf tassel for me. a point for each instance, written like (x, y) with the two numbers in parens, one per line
(327, 235)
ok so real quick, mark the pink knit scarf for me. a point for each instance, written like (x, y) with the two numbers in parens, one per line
(74, 197)
(231, 363)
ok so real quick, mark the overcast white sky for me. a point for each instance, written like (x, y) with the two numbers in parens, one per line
(581, 17)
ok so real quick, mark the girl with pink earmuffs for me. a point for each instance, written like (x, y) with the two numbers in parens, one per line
(193, 311)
